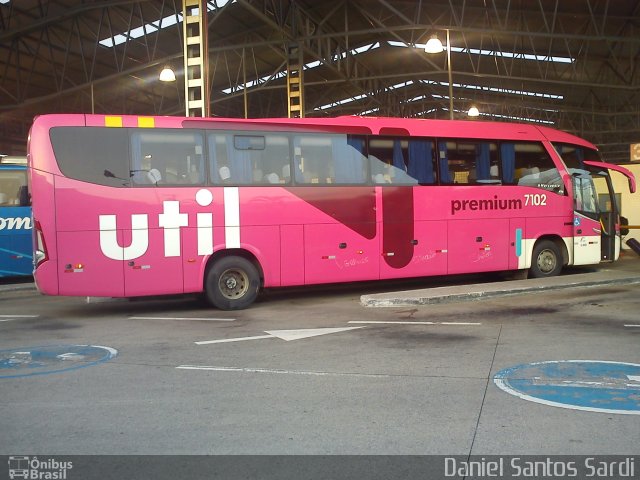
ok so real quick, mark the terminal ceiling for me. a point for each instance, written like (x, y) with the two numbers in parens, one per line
(571, 64)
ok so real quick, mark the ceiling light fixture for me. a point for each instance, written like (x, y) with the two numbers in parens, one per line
(167, 75)
(434, 45)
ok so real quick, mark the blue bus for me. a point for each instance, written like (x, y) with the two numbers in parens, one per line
(16, 258)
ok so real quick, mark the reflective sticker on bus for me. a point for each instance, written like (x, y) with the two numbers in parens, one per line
(146, 122)
(110, 121)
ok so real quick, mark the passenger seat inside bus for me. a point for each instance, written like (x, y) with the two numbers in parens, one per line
(272, 178)
(154, 176)
(225, 174)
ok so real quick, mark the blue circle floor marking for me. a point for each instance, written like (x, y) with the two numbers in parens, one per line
(589, 385)
(42, 360)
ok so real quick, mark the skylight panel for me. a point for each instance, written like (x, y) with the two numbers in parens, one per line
(341, 102)
(426, 112)
(497, 90)
(493, 53)
(253, 83)
(519, 119)
(166, 22)
(311, 65)
(400, 85)
(357, 51)
(367, 112)
(306, 66)
(364, 95)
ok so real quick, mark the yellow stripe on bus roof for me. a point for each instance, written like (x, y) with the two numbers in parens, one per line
(146, 122)
(112, 121)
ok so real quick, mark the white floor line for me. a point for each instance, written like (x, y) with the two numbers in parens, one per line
(199, 319)
(632, 326)
(282, 372)
(413, 323)
(10, 318)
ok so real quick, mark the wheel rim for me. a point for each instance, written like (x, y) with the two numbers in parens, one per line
(547, 261)
(233, 283)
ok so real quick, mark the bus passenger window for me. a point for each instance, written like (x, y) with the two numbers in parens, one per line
(12, 185)
(329, 159)
(98, 155)
(167, 157)
(469, 162)
(421, 165)
(387, 161)
(528, 164)
(248, 159)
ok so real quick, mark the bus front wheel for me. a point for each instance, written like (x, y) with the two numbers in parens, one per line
(232, 283)
(546, 260)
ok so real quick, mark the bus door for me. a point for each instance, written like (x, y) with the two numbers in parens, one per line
(609, 206)
(609, 215)
(587, 230)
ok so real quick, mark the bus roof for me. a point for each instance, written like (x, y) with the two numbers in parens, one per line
(343, 124)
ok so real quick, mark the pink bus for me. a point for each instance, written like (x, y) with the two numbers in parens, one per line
(129, 206)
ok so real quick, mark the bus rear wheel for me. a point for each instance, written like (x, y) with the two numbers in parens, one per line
(232, 283)
(546, 260)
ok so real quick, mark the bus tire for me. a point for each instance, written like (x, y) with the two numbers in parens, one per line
(546, 260)
(232, 283)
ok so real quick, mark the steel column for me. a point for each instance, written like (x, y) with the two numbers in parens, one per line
(196, 65)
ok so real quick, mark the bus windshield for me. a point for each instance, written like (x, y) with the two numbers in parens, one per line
(574, 156)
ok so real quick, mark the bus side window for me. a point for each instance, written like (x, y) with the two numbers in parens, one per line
(10, 183)
(98, 155)
(387, 161)
(469, 162)
(421, 165)
(167, 157)
(275, 159)
(258, 158)
(443, 163)
(533, 167)
(219, 145)
(329, 159)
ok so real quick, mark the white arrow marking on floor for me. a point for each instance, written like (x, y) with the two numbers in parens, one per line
(286, 335)
(228, 340)
(70, 356)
